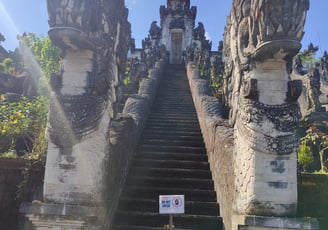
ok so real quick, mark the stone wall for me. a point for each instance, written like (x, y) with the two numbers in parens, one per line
(218, 138)
(312, 198)
(125, 133)
(303, 100)
(11, 177)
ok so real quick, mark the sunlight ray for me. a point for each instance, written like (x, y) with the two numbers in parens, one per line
(7, 25)
(32, 66)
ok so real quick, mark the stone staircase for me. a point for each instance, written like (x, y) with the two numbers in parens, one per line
(171, 160)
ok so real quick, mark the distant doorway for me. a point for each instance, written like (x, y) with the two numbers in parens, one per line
(176, 47)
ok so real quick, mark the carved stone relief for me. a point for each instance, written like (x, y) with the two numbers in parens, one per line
(260, 40)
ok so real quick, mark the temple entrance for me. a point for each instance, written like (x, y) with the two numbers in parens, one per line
(176, 47)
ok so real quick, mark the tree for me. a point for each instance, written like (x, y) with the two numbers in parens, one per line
(7, 66)
(38, 56)
(305, 157)
(43, 50)
(317, 141)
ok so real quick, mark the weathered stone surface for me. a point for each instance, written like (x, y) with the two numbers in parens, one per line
(61, 210)
(234, 174)
(77, 177)
(218, 138)
(261, 39)
(125, 132)
(272, 223)
(313, 200)
(20, 181)
(312, 98)
(94, 37)
(135, 107)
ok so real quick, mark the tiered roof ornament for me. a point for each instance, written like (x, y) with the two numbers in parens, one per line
(178, 8)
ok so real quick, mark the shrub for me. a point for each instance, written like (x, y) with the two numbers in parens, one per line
(23, 119)
(305, 157)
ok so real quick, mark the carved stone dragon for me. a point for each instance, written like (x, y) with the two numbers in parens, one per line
(94, 37)
(261, 39)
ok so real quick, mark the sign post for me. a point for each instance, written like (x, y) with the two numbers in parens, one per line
(171, 204)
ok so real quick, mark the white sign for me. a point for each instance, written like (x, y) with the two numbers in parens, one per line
(171, 204)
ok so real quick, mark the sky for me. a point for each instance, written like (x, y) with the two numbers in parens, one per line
(19, 16)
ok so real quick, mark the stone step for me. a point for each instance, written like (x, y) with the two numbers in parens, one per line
(176, 109)
(188, 133)
(152, 205)
(176, 114)
(172, 156)
(171, 115)
(171, 142)
(149, 192)
(182, 99)
(184, 119)
(191, 183)
(168, 148)
(171, 164)
(171, 124)
(174, 106)
(171, 172)
(157, 220)
(177, 128)
(172, 136)
(171, 159)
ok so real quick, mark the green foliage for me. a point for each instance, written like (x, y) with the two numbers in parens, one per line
(44, 51)
(308, 60)
(317, 142)
(26, 117)
(127, 80)
(305, 156)
(7, 66)
(9, 154)
(217, 84)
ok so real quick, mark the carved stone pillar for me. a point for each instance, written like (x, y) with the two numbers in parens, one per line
(93, 36)
(265, 143)
(261, 39)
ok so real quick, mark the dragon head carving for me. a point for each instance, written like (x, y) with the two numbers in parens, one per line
(257, 31)
(94, 38)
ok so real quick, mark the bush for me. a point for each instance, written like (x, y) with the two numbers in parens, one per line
(24, 120)
(305, 157)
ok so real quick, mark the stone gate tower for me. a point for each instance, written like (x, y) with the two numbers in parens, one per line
(177, 23)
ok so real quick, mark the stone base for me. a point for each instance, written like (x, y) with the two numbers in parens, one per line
(63, 217)
(272, 223)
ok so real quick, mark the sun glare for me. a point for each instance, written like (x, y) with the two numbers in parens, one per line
(11, 32)
(7, 25)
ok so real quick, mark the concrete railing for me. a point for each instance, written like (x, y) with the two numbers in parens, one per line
(218, 138)
(219, 141)
(125, 133)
